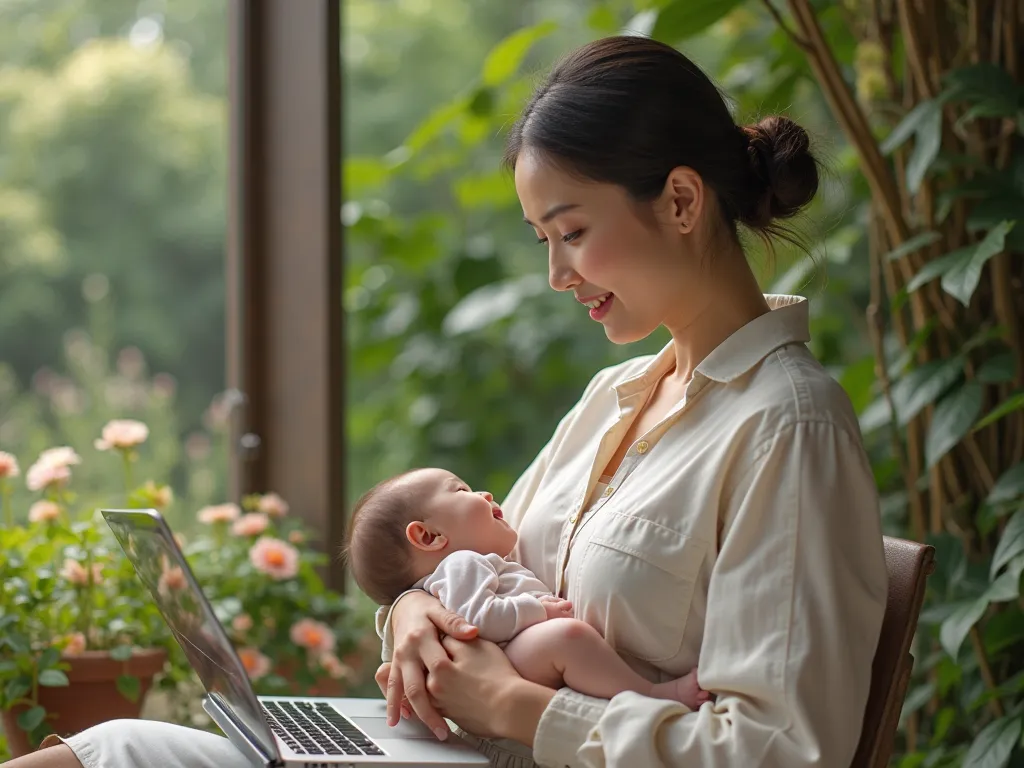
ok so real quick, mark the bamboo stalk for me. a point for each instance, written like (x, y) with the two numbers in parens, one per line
(876, 326)
(985, 667)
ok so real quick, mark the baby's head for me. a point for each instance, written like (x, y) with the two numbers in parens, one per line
(404, 527)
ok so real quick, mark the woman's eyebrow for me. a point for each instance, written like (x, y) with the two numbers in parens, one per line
(555, 211)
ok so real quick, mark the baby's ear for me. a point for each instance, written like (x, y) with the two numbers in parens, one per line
(421, 536)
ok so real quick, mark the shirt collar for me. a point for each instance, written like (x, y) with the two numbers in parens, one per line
(788, 322)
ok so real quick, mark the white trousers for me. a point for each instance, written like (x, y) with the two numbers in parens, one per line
(145, 743)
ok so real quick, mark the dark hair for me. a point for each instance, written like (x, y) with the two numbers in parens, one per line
(376, 550)
(627, 110)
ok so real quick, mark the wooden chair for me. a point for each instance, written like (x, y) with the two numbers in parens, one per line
(909, 565)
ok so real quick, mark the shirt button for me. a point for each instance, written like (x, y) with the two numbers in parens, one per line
(609, 491)
(642, 446)
(575, 516)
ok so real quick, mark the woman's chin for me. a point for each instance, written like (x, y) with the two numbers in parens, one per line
(622, 334)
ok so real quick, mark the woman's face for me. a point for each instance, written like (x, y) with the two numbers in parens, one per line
(605, 248)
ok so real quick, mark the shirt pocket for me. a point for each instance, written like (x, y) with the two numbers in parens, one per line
(636, 582)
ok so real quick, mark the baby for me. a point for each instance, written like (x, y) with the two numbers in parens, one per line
(427, 529)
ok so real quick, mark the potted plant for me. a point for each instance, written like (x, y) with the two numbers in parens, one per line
(82, 642)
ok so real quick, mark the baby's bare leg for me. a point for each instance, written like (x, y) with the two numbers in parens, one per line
(571, 652)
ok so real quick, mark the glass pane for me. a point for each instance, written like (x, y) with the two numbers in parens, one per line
(113, 146)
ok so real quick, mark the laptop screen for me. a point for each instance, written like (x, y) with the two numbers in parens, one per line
(147, 541)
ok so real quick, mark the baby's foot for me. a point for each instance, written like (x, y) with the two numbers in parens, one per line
(685, 690)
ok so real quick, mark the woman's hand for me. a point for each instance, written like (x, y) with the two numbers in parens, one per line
(477, 687)
(416, 621)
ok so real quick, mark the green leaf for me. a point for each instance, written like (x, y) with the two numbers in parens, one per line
(954, 417)
(32, 718)
(48, 658)
(917, 698)
(923, 385)
(129, 686)
(507, 56)
(916, 243)
(1007, 586)
(681, 19)
(999, 369)
(17, 688)
(121, 652)
(926, 148)
(961, 269)
(1011, 404)
(912, 123)
(1010, 545)
(1009, 486)
(990, 88)
(941, 724)
(53, 678)
(955, 628)
(1003, 630)
(994, 745)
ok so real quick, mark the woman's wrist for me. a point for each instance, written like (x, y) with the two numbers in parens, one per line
(522, 706)
(404, 603)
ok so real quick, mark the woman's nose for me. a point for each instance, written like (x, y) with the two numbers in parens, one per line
(561, 276)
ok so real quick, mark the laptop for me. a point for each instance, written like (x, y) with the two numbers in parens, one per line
(271, 731)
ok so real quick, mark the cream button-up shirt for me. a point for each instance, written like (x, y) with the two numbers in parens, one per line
(740, 535)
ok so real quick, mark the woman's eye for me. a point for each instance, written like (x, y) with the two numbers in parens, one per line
(571, 236)
(541, 240)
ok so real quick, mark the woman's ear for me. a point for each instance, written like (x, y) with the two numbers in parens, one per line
(684, 198)
(423, 538)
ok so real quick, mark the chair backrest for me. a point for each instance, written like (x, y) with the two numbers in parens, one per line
(909, 565)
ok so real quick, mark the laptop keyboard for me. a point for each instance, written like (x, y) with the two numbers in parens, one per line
(316, 729)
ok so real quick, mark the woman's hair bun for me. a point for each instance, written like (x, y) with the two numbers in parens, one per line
(785, 172)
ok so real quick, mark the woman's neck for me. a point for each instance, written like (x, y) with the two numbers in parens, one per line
(733, 301)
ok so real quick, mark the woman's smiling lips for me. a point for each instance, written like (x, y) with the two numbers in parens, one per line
(599, 305)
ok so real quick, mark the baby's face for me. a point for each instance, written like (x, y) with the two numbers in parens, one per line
(470, 520)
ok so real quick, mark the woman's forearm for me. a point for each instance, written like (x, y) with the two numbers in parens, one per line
(521, 710)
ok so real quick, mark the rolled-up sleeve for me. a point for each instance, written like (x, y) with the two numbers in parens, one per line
(795, 606)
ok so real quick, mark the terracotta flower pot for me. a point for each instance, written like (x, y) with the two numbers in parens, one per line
(92, 696)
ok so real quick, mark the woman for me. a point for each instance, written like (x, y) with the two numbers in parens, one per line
(710, 506)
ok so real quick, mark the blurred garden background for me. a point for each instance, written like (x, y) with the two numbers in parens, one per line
(113, 155)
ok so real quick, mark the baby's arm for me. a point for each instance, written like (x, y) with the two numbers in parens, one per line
(467, 584)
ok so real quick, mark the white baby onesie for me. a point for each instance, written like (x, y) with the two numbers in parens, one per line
(497, 596)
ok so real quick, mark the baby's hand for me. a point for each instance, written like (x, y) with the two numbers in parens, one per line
(556, 607)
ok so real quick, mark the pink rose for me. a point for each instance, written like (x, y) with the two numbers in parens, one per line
(252, 524)
(8, 465)
(59, 457)
(75, 644)
(76, 573)
(160, 496)
(172, 580)
(273, 505)
(219, 513)
(255, 663)
(43, 512)
(313, 635)
(42, 476)
(122, 434)
(242, 623)
(334, 666)
(274, 557)
(297, 537)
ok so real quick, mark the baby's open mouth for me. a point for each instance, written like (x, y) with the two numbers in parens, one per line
(496, 511)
